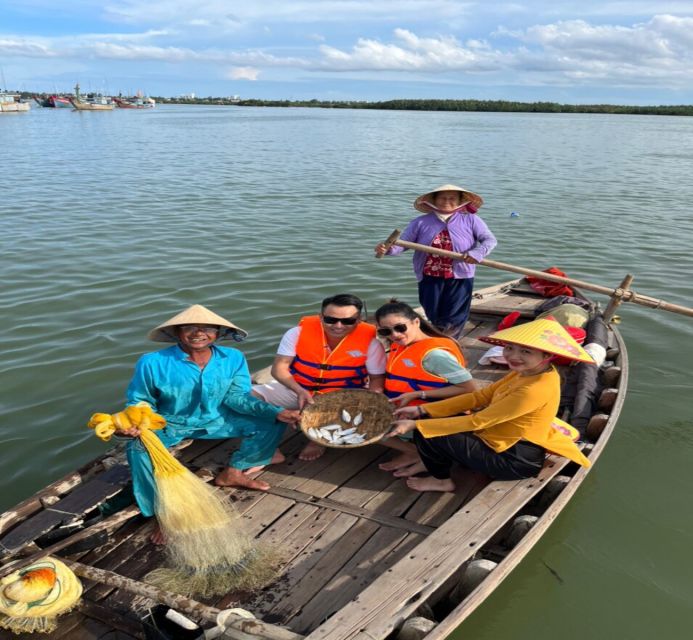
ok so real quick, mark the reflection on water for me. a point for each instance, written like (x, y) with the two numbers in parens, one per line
(114, 222)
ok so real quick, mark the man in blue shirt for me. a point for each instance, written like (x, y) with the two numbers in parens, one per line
(203, 391)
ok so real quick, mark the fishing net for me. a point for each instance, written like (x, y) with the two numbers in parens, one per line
(33, 597)
(208, 551)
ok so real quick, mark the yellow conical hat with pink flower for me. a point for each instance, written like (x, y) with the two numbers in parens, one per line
(545, 334)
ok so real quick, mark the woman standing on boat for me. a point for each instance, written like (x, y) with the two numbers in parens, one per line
(450, 223)
(423, 365)
(508, 436)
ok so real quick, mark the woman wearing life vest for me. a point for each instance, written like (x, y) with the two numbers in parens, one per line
(512, 429)
(423, 365)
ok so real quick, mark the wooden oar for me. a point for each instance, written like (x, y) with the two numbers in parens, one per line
(236, 626)
(617, 295)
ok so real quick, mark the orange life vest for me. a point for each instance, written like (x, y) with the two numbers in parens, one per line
(318, 369)
(405, 372)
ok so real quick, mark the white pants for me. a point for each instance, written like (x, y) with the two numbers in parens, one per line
(277, 394)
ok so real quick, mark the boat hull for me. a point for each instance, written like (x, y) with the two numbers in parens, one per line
(362, 552)
(88, 106)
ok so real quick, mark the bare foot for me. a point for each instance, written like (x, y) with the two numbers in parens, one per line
(430, 483)
(277, 458)
(312, 451)
(411, 470)
(157, 537)
(231, 477)
(400, 461)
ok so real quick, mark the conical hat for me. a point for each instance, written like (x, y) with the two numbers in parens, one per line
(544, 334)
(197, 314)
(423, 203)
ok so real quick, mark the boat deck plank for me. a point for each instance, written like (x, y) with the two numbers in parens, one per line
(83, 498)
(393, 595)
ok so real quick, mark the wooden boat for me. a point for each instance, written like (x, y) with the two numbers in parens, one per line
(54, 102)
(137, 102)
(94, 103)
(11, 103)
(364, 556)
(101, 104)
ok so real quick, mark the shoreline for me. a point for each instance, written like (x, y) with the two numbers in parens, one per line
(468, 105)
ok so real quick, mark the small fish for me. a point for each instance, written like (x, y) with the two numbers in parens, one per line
(348, 432)
(358, 420)
(346, 416)
(313, 433)
(554, 573)
(331, 427)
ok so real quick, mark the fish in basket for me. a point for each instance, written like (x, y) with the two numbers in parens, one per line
(348, 418)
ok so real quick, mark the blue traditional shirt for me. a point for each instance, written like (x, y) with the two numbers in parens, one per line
(190, 397)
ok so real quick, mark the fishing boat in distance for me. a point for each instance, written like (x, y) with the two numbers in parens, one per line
(11, 103)
(54, 102)
(363, 556)
(135, 102)
(93, 103)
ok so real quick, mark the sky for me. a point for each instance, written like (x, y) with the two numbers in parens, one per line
(634, 52)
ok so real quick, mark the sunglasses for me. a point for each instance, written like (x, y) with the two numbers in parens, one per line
(347, 322)
(387, 331)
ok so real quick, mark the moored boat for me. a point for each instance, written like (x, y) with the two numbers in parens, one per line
(362, 554)
(93, 103)
(138, 102)
(11, 103)
(59, 102)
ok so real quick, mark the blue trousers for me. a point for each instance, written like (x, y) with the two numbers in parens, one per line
(259, 439)
(446, 301)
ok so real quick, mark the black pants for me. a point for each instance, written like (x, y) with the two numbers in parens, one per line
(522, 460)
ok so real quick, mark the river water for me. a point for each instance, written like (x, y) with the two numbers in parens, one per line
(113, 222)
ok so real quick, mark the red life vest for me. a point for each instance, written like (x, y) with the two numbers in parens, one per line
(318, 369)
(405, 372)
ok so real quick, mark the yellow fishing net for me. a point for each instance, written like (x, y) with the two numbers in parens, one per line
(209, 553)
(31, 598)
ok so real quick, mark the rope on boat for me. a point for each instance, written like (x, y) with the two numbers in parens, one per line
(32, 597)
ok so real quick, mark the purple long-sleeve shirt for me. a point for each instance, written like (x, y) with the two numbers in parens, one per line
(468, 233)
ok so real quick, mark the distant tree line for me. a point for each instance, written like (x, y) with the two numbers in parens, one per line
(437, 105)
(449, 105)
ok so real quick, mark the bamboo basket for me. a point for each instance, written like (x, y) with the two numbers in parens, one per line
(327, 409)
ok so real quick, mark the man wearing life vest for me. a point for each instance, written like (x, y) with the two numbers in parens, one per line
(327, 352)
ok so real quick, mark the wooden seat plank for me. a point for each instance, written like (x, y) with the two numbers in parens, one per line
(83, 498)
(390, 521)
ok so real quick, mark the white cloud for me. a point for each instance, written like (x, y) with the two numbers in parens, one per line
(411, 53)
(243, 73)
(658, 50)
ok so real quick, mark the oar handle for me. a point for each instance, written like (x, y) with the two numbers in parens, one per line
(237, 626)
(625, 295)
